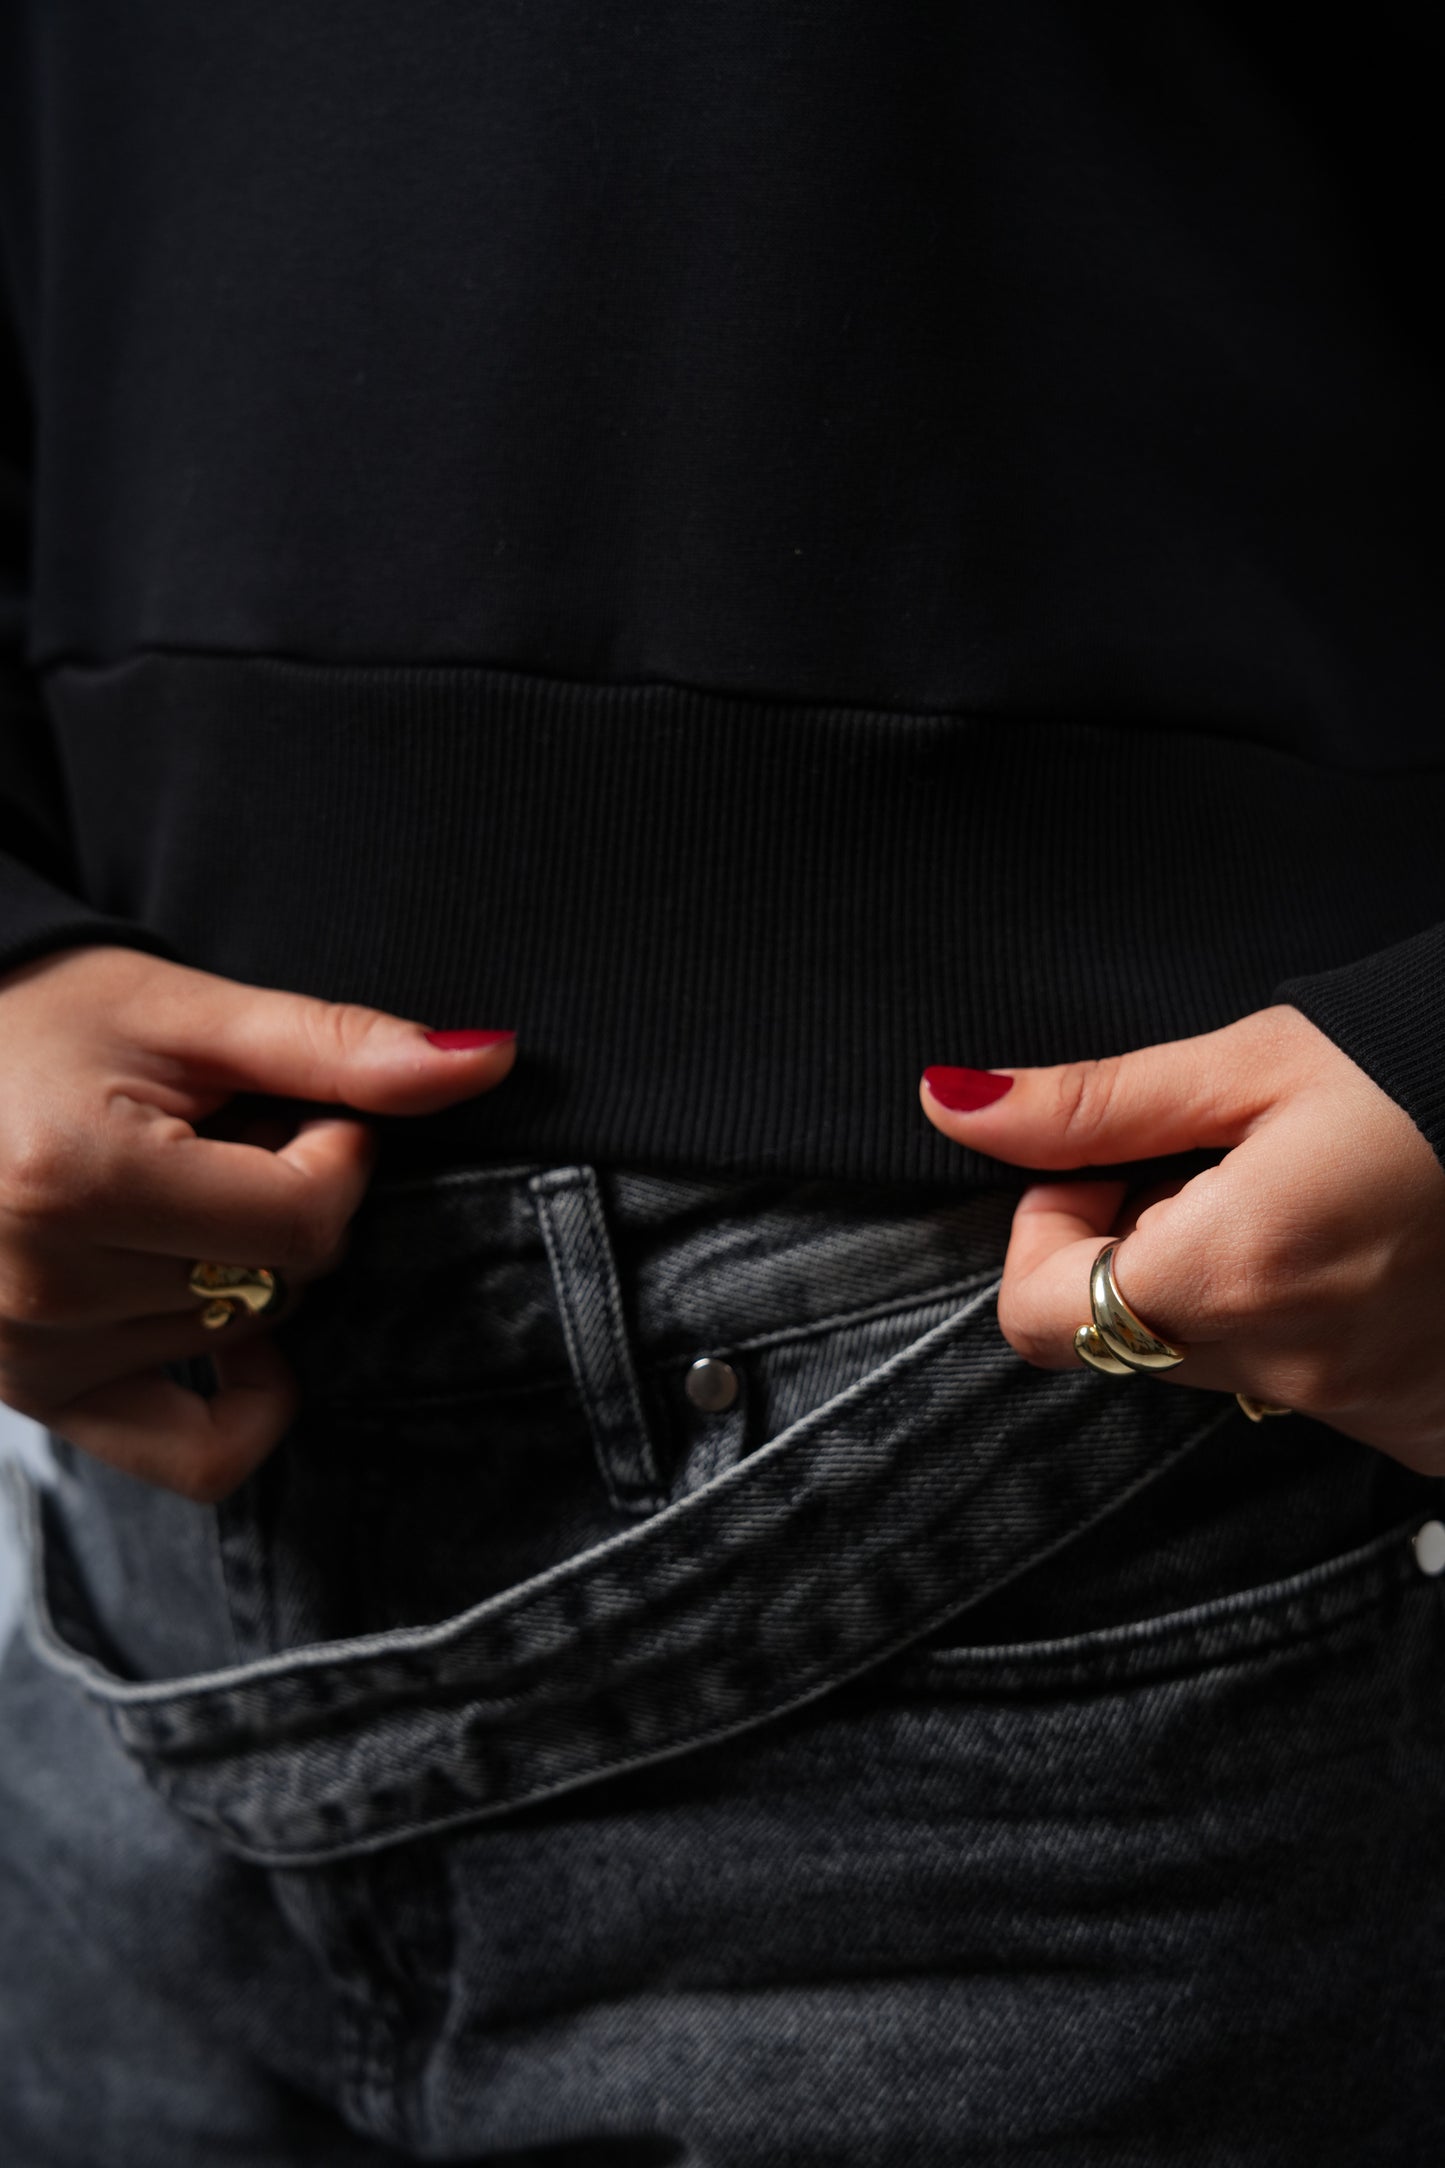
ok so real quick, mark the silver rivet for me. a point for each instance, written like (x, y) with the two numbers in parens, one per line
(711, 1383)
(1429, 1545)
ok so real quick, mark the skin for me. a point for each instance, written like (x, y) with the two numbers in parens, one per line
(1307, 1267)
(122, 1161)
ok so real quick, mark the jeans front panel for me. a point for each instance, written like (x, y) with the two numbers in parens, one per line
(1159, 1898)
(752, 1845)
(444, 1609)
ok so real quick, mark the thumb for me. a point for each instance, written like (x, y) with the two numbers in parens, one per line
(297, 1046)
(1213, 1089)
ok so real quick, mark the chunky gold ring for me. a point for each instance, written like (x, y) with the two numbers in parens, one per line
(1119, 1342)
(235, 1289)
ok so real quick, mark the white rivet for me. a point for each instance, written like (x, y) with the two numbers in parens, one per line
(1429, 1546)
(711, 1384)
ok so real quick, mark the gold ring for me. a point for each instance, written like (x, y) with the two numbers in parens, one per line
(1119, 1342)
(232, 1290)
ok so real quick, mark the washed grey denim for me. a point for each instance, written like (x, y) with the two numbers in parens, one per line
(905, 1755)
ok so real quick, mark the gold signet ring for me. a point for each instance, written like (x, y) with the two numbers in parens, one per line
(235, 1289)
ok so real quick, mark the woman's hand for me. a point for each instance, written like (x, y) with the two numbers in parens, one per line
(1306, 1268)
(109, 1060)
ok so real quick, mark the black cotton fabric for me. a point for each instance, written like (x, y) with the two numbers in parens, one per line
(762, 548)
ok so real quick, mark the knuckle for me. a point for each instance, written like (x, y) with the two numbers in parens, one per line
(1244, 1282)
(42, 1181)
(1226, 1299)
(1255, 1283)
(1286, 1262)
(33, 1292)
(1307, 1381)
(1084, 1092)
(340, 1030)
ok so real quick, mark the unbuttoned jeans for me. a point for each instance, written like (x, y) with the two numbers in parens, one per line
(686, 1690)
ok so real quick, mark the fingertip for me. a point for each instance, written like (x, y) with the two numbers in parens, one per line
(332, 1143)
(468, 1042)
(1054, 1216)
(256, 1404)
(345, 1127)
(161, 1432)
(428, 1071)
(977, 1109)
(964, 1091)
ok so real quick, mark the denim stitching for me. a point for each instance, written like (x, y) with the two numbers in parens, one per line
(325, 1405)
(624, 1449)
(1376, 1578)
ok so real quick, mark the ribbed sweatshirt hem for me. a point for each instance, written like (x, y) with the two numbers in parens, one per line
(731, 932)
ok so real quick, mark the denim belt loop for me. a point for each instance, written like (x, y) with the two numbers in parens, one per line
(589, 1299)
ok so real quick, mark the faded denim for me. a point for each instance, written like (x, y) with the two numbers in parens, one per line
(926, 1758)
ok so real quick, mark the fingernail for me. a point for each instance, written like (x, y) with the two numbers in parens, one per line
(964, 1090)
(462, 1041)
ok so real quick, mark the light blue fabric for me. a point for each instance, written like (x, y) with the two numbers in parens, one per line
(25, 1442)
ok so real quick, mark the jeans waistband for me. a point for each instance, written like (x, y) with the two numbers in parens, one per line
(480, 1280)
(922, 1476)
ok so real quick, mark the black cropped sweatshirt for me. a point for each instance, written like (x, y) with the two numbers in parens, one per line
(761, 545)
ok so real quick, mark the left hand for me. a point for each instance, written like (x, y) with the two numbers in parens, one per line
(1306, 1268)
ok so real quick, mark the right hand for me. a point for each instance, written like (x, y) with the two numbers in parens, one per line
(109, 1061)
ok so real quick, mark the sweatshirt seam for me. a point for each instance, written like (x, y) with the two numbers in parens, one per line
(89, 666)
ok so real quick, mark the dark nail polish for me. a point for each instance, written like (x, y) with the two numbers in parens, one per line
(462, 1041)
(963, 1091)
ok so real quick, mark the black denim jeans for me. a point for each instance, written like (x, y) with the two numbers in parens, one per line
(685, 1690)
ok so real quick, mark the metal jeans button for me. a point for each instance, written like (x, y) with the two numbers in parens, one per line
(711, 1384)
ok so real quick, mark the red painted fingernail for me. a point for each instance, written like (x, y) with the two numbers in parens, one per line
(462, 1041)
(964, 1090)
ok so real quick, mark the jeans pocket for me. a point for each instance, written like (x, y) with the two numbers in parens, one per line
(1265, 1625)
